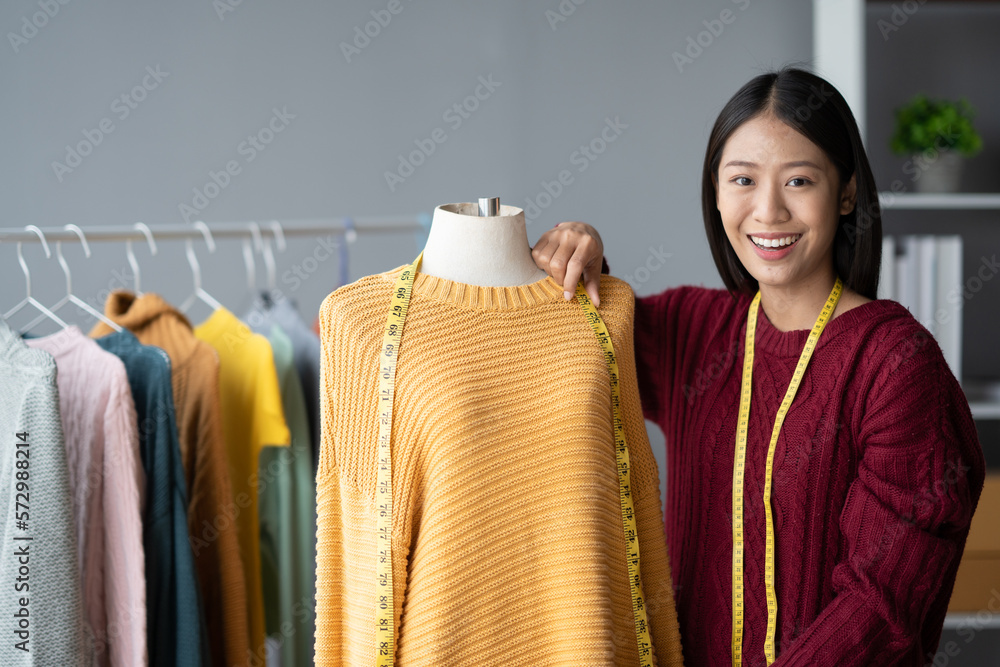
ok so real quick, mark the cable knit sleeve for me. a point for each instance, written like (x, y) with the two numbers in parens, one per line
(906, 515)
(650, 352)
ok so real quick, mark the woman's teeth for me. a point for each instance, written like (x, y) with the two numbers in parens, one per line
(775, 243)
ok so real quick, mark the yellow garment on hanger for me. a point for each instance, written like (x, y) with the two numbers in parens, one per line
(252, 418)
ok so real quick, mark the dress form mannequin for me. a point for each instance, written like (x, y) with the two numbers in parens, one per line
(485, 251)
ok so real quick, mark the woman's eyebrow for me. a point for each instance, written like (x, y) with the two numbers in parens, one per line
(797, 163)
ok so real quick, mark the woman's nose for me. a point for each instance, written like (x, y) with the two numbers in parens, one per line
(769, 205)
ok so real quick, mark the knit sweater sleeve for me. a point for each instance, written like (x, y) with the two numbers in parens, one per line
(906, 515)
(124, 490)
(671, 331)
(651, 334)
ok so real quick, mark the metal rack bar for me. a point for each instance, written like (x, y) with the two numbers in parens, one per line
(181, 231)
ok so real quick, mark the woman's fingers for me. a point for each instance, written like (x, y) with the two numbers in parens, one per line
(542, 252)
(584, 265)
(592, 283)
(560, 266)
(569, 252)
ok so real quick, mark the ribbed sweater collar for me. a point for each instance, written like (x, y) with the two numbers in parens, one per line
(790, 343)
(477, 297)
(134, 312)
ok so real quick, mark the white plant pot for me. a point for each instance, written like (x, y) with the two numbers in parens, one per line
(940, 173)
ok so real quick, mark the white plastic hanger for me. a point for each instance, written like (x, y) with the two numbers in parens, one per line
(29, 300)
(249, 251)
(199, 292)
(70, 297)
(269, 263)
(142, 227)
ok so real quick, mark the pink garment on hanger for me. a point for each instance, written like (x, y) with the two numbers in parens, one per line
(108, 484)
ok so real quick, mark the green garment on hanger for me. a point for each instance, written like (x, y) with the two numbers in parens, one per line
(287, 508)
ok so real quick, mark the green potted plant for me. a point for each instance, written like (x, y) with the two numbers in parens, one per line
(936, 134)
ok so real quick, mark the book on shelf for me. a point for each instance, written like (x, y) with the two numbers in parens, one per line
(924, 274)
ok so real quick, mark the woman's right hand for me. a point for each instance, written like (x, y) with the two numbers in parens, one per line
(569, 251)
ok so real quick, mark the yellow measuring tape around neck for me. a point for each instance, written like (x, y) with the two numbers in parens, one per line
(738, 472)
(384, 606)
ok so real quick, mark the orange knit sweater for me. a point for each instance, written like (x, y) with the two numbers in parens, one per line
(508, 545)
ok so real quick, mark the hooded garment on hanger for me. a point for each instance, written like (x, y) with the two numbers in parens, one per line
(29, 405)
(212, 511)
(108, 486)
(174, 617)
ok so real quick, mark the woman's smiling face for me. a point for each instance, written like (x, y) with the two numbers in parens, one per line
(780, 199)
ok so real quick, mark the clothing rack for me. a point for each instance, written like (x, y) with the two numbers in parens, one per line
(193, 231)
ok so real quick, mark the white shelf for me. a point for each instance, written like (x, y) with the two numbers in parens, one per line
(940, 201)
(984, 399)
(959, 619)
(985, 410)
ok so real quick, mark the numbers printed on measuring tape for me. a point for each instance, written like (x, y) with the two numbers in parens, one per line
(385, 610)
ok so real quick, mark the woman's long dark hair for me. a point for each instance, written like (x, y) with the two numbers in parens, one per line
(815, 109)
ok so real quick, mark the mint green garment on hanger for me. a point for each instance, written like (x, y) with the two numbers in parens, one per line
(287, 507)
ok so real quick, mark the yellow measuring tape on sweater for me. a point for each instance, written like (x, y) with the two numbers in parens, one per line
(645, 645)
(385, 609)
(384, 606)
(738, 471)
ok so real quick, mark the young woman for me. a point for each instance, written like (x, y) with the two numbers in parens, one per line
(874, 469)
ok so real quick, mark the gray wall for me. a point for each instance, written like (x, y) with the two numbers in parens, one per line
(558, 82)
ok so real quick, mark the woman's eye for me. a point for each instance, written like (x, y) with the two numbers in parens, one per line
(742, 180)
(798, 182)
